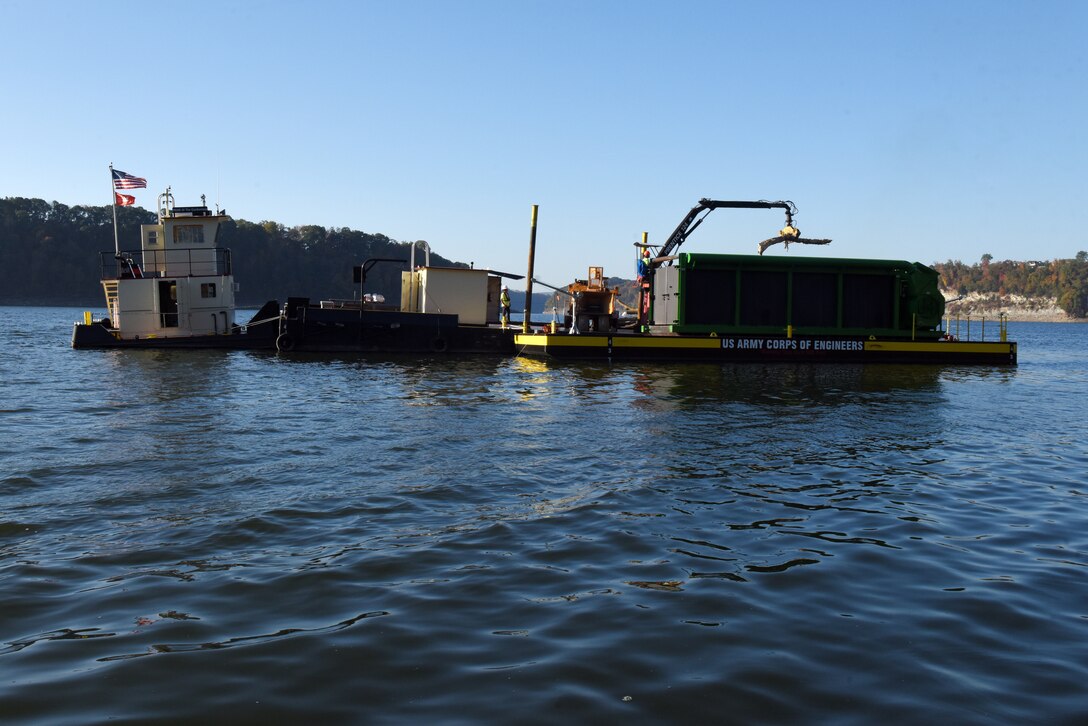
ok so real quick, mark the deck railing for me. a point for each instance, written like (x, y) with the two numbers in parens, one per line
(184, 262)
(959, 327)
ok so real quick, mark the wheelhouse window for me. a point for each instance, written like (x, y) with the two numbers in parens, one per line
(189, 235)
(207, 289)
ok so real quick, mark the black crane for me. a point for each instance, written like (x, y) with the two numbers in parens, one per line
(691, 222)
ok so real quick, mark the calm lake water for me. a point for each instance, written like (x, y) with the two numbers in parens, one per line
(250, 538)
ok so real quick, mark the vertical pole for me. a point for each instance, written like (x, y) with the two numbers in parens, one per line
(529, 277)
(643, 284)
(113, 203)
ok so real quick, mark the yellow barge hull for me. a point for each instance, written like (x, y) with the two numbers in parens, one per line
(762, 348)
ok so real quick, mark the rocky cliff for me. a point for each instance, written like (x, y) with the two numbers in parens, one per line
(1017, 307)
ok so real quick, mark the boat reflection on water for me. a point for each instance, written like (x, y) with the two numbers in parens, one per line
(776, 384)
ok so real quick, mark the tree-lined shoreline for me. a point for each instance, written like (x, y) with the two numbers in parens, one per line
(1030, 289)
(49, 256)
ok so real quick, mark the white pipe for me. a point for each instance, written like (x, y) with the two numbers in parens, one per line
(426, 248)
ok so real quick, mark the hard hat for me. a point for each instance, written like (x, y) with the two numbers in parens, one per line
(646, 252)
(504, 287)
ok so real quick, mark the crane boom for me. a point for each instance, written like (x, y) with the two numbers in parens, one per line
(689, 224)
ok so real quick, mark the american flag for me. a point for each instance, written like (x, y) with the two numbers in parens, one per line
(121, 180)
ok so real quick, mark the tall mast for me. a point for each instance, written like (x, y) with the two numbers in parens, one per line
(113, 203)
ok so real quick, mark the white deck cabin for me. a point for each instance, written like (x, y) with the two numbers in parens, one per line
(179, 284)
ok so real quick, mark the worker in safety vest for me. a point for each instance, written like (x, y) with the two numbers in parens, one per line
(504, 306)
(644, 263)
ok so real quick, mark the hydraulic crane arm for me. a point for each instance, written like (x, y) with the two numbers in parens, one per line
(692, 221)
(786, 235)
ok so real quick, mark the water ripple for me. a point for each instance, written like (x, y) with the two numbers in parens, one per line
(533, 542)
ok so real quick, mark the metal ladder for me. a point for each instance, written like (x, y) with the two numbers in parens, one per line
(110, 286)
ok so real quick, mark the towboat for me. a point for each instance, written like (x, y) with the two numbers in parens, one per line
(176, 291)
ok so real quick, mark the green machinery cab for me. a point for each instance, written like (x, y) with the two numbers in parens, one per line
(728, 294)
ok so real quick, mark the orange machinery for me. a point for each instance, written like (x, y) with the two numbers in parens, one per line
(593, 305)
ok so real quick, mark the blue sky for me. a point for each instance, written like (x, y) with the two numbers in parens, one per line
(915, 130)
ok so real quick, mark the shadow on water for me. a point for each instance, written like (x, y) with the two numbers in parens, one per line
(780, 384)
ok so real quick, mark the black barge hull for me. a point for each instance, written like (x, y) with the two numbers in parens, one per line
(97, 335)
(306, 328)
(258, 334)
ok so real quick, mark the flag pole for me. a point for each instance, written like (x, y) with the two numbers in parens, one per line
(113, 197)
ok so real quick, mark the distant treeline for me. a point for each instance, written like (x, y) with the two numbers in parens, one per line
(1066, 280)
(50, 254)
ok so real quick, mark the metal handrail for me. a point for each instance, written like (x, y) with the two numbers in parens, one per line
(144, 263)
(964, 332)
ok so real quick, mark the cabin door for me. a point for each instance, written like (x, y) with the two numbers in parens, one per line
(168, 303)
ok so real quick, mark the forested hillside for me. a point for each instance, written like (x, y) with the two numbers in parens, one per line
(1064, 280)
(49, 254)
